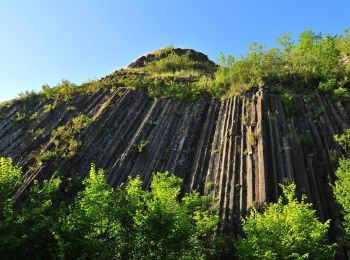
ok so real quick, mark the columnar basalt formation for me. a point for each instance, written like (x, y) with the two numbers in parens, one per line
(238, 149)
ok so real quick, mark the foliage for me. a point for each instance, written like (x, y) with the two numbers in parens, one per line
(25, 233)
(286, 229)
(142, 145)
(344, 141)
(135, 224)
(342, 192)
(66, 140)
(288, 103)
(19, 117)
(66, 90)
(341, 188)
(315, 62)
(34, 116)
(10, 179)
(103, 223)
(50, 107)
(164, 51)
(26, 95)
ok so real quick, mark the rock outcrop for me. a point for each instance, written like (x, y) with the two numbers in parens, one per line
(238, 149)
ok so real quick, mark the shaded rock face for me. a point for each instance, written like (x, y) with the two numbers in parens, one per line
(238, 149)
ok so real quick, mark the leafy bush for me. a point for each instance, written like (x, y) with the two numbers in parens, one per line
(66, 90)
(19, 117)
(10, 179)
(315, 62)
(288, 103)
(285, 230)
(344, 141)
(342, 192)
(142, 145)
(135, 224)
(34, 116)
(66, 138)
(25, 233)
(26, 95)
(341, 188)
(103, 223)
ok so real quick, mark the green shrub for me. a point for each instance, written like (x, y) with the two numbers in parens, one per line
(105, 223)
(288, 103)
(344, 141)
(288, 229)
(10, 179)
(66, 139)
(50, 107)
(34, 116)
(313, 63)
(38, 133)
(26, 95)
(142, 145)
(342, 192)
(133, 223)
(341, 188)
(19, 117)
(45, 155)
(66, 90)
(26, 232)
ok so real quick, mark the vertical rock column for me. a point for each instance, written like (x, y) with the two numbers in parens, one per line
(236, 172)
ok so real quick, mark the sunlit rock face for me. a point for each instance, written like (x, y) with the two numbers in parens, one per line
(238, 149)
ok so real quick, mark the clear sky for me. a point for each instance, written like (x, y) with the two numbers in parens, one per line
(45, 41)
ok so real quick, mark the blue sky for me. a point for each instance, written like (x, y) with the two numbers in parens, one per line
(45, 41)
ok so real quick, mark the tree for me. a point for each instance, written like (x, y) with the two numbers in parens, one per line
(286, 229)
(10, 179)
(105, 223)
(27, 231)
(132, 223)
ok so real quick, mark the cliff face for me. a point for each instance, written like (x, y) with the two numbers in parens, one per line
(239, 149)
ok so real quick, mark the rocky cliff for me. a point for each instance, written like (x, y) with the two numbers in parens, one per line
(239, 149)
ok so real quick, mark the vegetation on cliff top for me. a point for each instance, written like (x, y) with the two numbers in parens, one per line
(315, 62)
